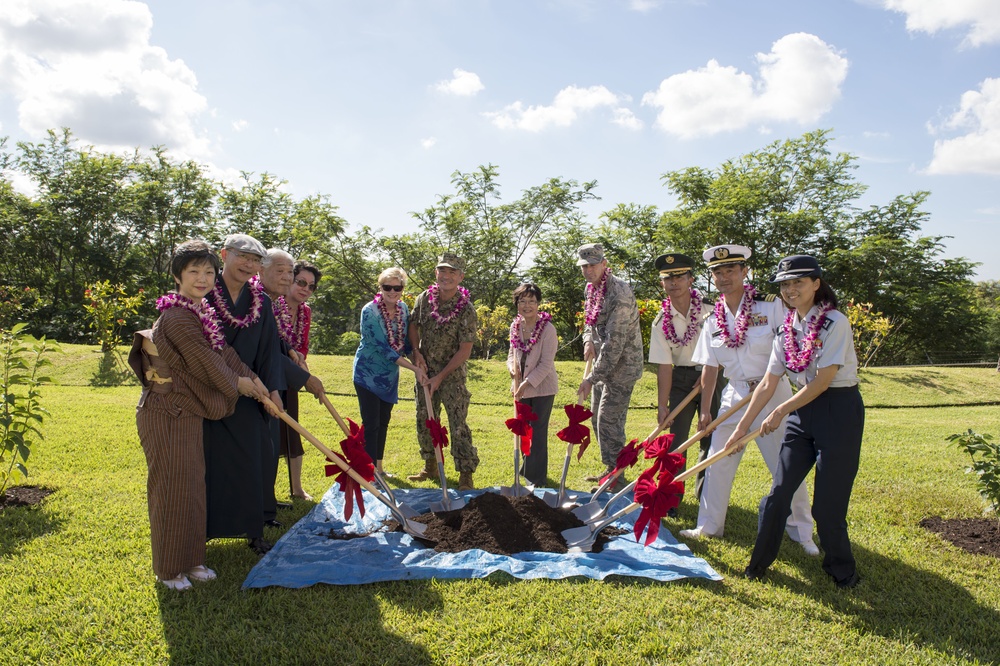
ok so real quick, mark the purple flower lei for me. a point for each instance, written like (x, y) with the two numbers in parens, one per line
(595, 299)
(256, 292)
(515, 331)
(300, 326)
(210, 326)
(283, 316)
(797, 358)
(693, 325)
(742, 317)
(432, 298)
(393, 325)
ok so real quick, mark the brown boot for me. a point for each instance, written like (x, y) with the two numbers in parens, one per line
(465, 481)
(429, 472)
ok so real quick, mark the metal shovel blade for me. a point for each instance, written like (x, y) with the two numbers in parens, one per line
(404, 509)
(589, 511)
(579, 537)
(514, 491)
(448, 504)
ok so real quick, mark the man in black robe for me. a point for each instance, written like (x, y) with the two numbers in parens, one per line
(237, 446)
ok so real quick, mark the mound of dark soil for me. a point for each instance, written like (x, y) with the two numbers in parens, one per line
(24, 496)
(504, 526)
(974, 535)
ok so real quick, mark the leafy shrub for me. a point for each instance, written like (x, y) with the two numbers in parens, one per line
(985, 463)
(347, 343)
(108, 306)
(21, 411)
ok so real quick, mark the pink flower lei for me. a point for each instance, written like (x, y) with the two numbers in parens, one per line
(742, 317)
(797, 358)
(256, 305)
(515, 331)
(693, 312)
(393, 325)
(210, 326)
(432, 297)
(595, 299)
(299, 327)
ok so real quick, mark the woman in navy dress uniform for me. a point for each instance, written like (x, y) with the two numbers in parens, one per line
(826, 419)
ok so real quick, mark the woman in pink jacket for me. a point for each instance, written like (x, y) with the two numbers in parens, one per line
(531, 362)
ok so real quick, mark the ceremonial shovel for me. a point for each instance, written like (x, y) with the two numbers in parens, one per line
(410, 527)
(446, 503)
(517, 490)
(562, 499)
(592, 509)
(405, 509)
(581, 539)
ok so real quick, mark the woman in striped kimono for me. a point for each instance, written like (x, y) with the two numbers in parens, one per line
(188, 374)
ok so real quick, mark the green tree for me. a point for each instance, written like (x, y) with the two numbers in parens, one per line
(793, 195)
(496, 239)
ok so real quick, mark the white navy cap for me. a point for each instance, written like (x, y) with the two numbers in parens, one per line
(720, 255)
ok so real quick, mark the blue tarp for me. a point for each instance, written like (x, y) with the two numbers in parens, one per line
(306, 555)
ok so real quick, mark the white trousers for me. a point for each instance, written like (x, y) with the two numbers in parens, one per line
(719, 476)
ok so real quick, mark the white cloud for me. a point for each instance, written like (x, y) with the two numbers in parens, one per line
(980, 17)
(240, 125)
(429, 142)
(644, 6)
(798, 81)
(563, 111)
(462, 83)
(88, 65)
(624, 117)
(868, 134)
(978, 150)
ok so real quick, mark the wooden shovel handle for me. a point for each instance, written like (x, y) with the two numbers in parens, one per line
(714, 424)
(586, 371)
(336, 417)
(677, 410)
(714, 458)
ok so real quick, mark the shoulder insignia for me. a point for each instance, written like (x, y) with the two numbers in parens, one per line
(765, 297)
(827, 323)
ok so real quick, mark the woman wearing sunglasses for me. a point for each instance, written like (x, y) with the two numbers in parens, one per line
(383, 350)
(305, 279)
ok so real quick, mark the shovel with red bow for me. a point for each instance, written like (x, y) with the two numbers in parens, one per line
(347, 467)
(439, 439)
(575, 434)
(657, 490)
(520, 425)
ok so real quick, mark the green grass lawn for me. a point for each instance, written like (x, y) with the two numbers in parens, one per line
(77, 588)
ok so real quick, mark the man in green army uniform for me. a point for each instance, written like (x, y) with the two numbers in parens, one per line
(442, 330)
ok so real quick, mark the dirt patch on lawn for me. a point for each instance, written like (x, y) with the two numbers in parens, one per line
(24, 496)
(980, 536)
(504, 526)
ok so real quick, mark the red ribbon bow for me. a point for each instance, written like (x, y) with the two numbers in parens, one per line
(626, 458)
(358, 459)
(657, 496)
(521, 425)
(439, 434)
(576, 432)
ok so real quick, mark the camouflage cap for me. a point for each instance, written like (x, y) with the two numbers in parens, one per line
(589, 254)
(451, 260)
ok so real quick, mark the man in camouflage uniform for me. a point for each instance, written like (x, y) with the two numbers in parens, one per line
(613, 339)
(442, 334)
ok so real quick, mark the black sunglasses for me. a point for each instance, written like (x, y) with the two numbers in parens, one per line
(311, 286)
(392, 287)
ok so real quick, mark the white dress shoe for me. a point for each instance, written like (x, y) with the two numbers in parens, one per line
(179, 583)
(812, 550)
(695, 534)
(201, 573)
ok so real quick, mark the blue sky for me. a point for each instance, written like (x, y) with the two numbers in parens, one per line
(376, 103)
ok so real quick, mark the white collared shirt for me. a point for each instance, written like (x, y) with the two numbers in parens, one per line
(748, 362)
(835, 346)
(665, 352)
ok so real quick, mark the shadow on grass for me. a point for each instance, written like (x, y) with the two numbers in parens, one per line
(218, 623)
(21, 524)
(894, 600)
(924, 379)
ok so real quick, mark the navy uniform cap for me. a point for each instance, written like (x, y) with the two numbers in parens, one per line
(720, 255)
(796, 266)
(673, 263)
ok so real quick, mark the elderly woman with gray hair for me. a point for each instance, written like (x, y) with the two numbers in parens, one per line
(383, 350)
